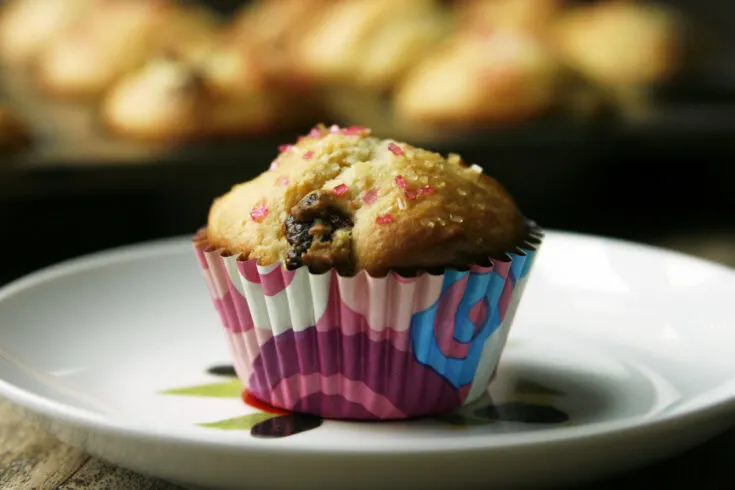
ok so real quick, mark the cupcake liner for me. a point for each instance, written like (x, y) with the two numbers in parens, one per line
(366, 347)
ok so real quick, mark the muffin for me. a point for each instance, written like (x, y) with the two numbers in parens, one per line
(503, 76)
(222, 91)
(369, 43)
(274, 28)
(175, 99)
(117, 37)
(361, 278)
(28, 26)
(621, 47)
(533, 15)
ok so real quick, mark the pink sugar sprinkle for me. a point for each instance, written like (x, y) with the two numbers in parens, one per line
(384, 219)
(401, 181)
(274, 165)
(395, 149)
(283, 181)
(410, 194)
(259, 213)
(300, 139)
(308, 155)
(370, 196)
(315, 133)
(356, 131)
(341, 190)
(427, 190)
(334, 129)
(283, 148)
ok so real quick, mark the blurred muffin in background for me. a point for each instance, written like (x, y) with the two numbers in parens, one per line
(28, 26)
(504, 76)
(273, 28)
(224, 93)
(115, 38)
(370, 43)
(621, 46)
(528, 15)
(14, 133)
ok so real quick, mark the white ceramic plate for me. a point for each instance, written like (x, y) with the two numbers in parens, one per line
(620, 354)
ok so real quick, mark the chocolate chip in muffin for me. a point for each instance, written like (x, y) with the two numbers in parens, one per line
(320, 234)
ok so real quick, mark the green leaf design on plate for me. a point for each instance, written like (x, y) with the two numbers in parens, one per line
(527, 387)
(244, 422)
(225, 389)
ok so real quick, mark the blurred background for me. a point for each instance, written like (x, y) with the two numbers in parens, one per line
(120, 120)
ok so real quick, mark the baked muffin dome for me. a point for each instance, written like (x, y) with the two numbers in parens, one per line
(342, 199)
(115, 39)
(369, 43)
(533, 15)
(505, 76)
(27, 27)
(172, 99)
(622, 42)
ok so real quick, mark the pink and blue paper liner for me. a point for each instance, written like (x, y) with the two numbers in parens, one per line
(366, 347)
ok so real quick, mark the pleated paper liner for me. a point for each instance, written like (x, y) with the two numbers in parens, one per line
(362, 347)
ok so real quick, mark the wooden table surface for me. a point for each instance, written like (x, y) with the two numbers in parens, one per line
(30, 459)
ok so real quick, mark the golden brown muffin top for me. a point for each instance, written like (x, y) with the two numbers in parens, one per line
(341, 198)
(621, 42)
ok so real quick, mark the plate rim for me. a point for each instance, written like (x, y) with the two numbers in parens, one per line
(47, 408)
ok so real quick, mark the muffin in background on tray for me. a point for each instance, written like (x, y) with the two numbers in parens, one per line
(370, 43)
(533, 15)
(116, 38)
(274, 28)
(27, 27)
(503, 76)
(361, 278)
(224, 92)
(14, 133)
(621, 47)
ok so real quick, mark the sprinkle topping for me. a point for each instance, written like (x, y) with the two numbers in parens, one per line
(308, 155)
(370, 196)
(315, 133)
(274, 165)
(356, 131)
(341, 190)
(395, 149)
(284, 148)
(384, 219)
(259, 212)
(283, 180)
(427, 190)
(411, 194)
(401, 181)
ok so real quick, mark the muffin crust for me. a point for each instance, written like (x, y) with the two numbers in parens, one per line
(341, 198)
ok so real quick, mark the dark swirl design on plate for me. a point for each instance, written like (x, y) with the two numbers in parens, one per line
(225, 370)
(273, 423)
(285, 425)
